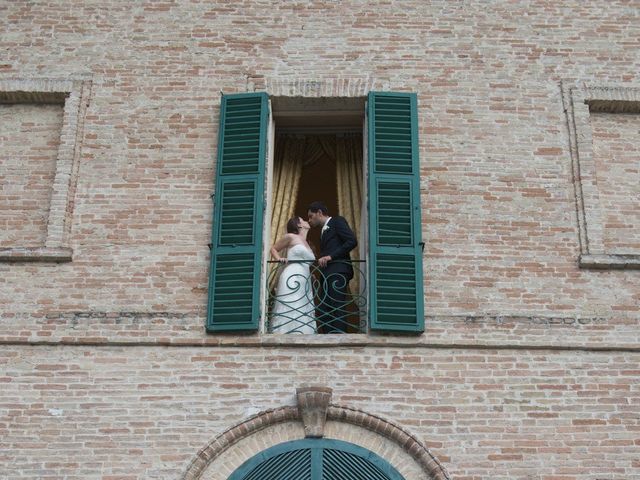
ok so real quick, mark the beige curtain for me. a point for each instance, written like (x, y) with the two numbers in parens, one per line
(287, 168)
(349, 178)
(348, 155)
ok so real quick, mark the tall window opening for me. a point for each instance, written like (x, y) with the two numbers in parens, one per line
(317, 155)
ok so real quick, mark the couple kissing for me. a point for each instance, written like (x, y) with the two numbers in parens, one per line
(294, 309)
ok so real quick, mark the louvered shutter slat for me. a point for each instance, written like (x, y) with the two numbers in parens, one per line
(295, 465)
(339, 465)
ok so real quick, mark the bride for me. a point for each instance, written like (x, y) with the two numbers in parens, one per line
(293, 309)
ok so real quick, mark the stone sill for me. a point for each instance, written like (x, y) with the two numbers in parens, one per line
(610, 262)
(36, 254)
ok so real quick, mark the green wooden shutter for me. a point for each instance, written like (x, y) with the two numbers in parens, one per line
(395, 257)
(316, 459)
(236, 255)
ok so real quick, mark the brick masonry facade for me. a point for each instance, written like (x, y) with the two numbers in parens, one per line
(24, 216)
(529, 142)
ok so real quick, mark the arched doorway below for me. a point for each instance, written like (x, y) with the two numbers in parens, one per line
(321, 439)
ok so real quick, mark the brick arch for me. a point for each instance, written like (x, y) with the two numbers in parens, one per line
(313, 415)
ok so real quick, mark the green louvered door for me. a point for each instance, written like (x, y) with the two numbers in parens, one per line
(316, 459)
(395, 260)
(236, 255)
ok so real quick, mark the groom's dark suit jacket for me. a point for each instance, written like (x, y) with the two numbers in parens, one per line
(337, 241)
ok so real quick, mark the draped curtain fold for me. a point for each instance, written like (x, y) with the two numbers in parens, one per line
(315, 149)
(287, 169)
(349, 179)
(327, 144)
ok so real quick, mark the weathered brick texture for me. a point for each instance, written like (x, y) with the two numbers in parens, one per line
(29, 135)
(528, 365)
(82, 412)
(616, 145)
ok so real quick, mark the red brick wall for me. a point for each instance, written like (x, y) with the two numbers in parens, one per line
(528, 366)
(86, 412)
(29, 135)
(616, 147)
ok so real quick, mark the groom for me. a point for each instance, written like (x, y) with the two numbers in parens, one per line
(336, 241)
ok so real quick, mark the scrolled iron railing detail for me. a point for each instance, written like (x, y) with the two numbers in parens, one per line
(299, 300)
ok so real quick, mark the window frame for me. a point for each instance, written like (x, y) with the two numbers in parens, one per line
(73, 95)
(415, 324)
(578, 101)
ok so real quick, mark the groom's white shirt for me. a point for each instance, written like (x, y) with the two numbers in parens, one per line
(325, 227)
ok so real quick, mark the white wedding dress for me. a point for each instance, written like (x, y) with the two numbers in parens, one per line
(293, 309)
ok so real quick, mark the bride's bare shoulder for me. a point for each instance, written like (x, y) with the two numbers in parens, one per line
(294, 240)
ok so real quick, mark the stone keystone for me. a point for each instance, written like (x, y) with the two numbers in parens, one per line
(312, 405)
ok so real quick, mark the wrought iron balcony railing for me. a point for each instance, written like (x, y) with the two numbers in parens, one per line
(305, 299)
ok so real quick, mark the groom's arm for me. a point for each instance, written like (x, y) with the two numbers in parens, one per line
(347, 239)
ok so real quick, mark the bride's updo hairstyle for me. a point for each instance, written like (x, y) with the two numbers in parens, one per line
(293, 225)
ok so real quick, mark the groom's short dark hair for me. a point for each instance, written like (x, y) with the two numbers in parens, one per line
(318, 207)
